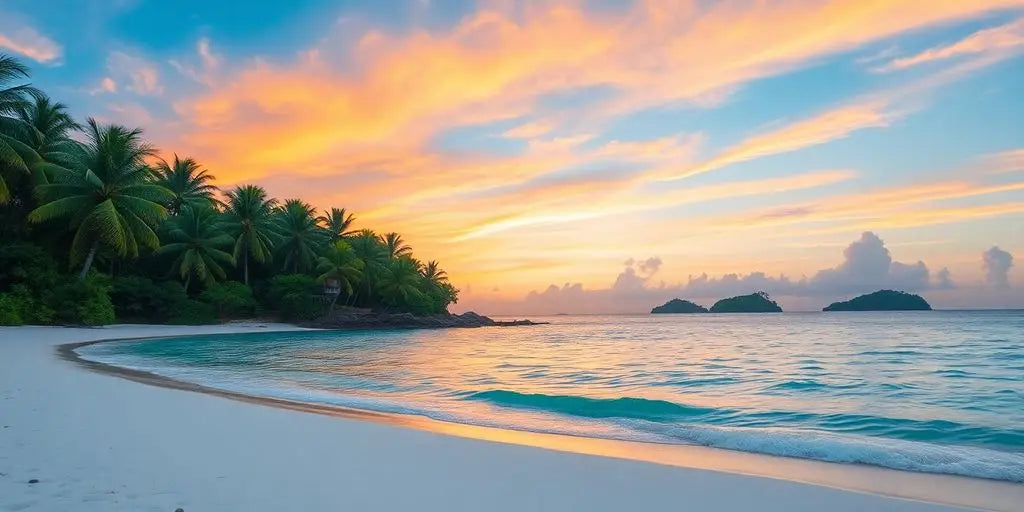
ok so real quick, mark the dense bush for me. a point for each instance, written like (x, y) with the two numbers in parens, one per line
(10, 310)
(139, 299)
(193, 312)
(81, 301)
(230, 299)
(294, 297)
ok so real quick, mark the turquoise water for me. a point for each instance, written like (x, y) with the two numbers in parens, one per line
(938, 392)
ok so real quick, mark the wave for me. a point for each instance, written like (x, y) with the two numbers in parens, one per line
(624, 407)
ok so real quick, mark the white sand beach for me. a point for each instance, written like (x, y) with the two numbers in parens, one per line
(98, 442)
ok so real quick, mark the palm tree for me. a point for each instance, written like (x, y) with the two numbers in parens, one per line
(340, 263)
(300, 235)
(15, 156)
(395, 245)
(433, 272)
(196, 238)
(108, 197)
(401, 278)
(367, 246)
(249, 214)
(47, 127)
(337, 222)
(189, 183)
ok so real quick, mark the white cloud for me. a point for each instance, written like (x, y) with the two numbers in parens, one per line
(142, 75)
(996, 263)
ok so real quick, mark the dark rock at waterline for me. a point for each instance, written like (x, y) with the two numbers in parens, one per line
(34, 481)
(348, 319)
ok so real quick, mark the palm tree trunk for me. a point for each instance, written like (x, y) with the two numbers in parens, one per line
(188, 279)
(88, 259)
(245, 267)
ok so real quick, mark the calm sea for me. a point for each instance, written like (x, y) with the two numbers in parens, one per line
(933, 391)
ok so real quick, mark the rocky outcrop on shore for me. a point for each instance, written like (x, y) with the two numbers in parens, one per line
(383, 320)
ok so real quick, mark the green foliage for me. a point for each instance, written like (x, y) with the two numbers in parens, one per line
(10, 309)
(300, 236)
(340, 263)
(138, 298)
(230, 299)
(193, 312)
(197, 242)
(337, 222)
(294, 297)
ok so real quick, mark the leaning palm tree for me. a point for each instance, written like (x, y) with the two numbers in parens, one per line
(400, 279)
(249, 215)
(15, 156)
(395, 245)
(197, 239)
(300, 235)
(190, 184)
(107, 197)
(340, 263)
(337, 222)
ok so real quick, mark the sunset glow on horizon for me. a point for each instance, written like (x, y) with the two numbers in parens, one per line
(607, 155)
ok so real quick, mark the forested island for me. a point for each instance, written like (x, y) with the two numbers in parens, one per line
(882, 300)
(679, 306)
(758, 302)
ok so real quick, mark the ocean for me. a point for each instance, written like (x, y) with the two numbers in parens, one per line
(931, 391)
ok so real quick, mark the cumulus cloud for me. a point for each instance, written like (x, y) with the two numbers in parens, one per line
(867, 266)
(997, 263)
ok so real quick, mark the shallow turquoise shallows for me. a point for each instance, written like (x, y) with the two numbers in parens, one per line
(932, 391)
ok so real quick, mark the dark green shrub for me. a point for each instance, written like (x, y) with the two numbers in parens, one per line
(230, 299)
(137, 298)
(96, 310)
(193, 312)
(10, 310)
(295, 297)
(80, 301)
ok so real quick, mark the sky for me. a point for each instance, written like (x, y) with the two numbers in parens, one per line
(594, 157)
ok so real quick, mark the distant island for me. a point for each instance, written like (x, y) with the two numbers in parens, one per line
(758, 302)
(679, 306)
(882, 300)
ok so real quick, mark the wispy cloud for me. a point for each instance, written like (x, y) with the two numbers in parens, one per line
(142, 76)
(1008, 38)
(29, 42)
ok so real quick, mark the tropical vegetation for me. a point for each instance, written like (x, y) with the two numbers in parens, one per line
(96, 227)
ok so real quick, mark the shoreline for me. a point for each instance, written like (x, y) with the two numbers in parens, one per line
(197, 450)
(919, 486)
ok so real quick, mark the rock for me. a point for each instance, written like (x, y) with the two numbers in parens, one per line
(34, 481)
(179, 510)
